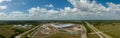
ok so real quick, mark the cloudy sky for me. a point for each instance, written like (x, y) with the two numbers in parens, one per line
(59, 9)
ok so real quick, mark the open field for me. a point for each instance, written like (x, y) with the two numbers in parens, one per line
(111, 29)
(10, 29)
(65, 35)
(92, 36)
(89, 31)
(6, 31)
(50, 31)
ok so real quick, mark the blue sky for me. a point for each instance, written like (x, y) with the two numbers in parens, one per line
(106, 1)
(26, 8)
(23, 5)
(16, 5)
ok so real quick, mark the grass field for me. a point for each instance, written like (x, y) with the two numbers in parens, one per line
(65, 35)
(6, 31)
(92, 36)
(111, 29)
(90, 31)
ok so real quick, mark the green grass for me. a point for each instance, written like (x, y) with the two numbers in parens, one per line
(92, 36)
(6, 31)
(112, 29)
(65, 35)
(90, 31)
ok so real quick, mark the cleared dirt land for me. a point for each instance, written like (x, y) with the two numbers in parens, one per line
(49, 31)
(111, 29)
(64, 35)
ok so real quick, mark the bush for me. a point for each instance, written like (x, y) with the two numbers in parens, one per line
(2, 36)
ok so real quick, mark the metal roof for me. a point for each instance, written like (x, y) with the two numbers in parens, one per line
(62, 25)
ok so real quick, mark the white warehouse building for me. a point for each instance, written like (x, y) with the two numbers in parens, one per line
(62, 25)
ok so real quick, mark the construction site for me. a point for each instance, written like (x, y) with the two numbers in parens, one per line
(49, 29)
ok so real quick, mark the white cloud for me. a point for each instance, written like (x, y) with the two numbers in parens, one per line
(43, 13)
(3, 7)
(15, 15)
(2, 14)
(93, 10)
(49, 5)
(4, 0)
(83, 10)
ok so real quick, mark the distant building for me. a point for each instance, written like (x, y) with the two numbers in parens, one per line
(62, 25)
(23, 26)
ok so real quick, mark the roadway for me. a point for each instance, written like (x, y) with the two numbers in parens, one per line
(20, 35)
(98, 32)
(83, 32)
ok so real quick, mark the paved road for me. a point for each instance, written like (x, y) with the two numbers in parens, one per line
(83, 32)
(20, 35)
(38, 29)
(99, 33)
